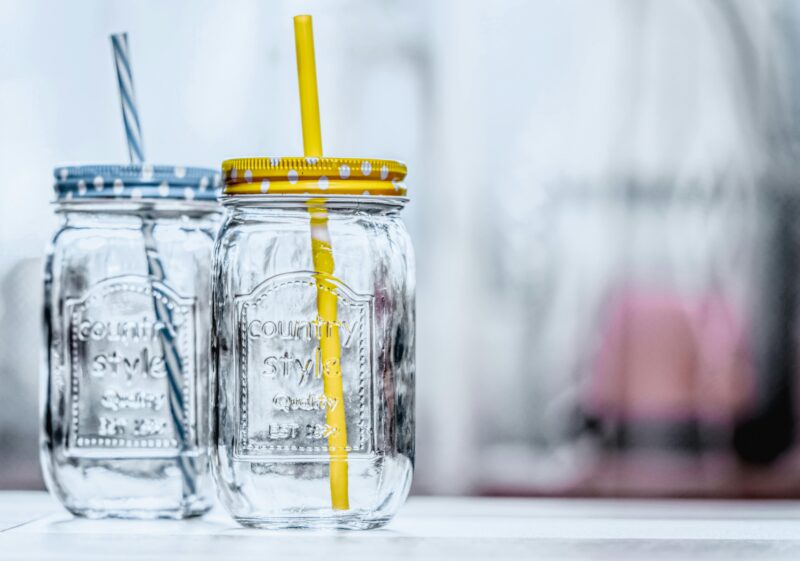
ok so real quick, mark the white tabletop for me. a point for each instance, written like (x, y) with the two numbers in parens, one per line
(33, 526)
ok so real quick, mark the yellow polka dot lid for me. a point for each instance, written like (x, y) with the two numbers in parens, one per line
(314, 176)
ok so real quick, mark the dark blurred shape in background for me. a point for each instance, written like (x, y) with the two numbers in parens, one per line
(20, 331)
(658, 321)
(605, 200)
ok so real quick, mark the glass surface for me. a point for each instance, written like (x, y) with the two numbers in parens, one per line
(127, 321)
(269, 428)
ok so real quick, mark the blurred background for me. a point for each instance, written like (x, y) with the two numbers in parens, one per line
(604, 202)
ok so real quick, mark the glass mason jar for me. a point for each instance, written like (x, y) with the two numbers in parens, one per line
(313, 343)
(127, 316)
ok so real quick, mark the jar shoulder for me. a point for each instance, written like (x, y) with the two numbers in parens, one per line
(107, 234)
(80, 257)
(238, 227)
(362, 245)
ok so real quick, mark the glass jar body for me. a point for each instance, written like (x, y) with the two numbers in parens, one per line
(124, 394)
(271, 431)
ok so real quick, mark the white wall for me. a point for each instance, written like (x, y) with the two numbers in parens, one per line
(486, 102)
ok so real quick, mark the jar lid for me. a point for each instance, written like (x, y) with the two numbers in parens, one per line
(137, 181)
(314, 176)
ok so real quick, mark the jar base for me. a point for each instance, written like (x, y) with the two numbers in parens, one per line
(343, 522)
(138, 513)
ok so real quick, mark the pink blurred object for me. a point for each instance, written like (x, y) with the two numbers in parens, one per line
(668, 357)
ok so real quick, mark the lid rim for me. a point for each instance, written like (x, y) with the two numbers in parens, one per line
(135, 181)
(330, 200)
(210, 204)
(296, 175)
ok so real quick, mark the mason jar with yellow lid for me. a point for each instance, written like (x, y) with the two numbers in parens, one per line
(313, 343)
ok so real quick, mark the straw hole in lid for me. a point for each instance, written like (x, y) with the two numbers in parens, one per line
(147, 172)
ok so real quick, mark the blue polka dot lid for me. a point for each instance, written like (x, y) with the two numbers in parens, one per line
(137, 181)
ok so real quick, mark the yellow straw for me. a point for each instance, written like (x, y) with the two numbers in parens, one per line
(322, 252)
(307, 79)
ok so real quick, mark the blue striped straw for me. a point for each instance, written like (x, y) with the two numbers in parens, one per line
(172, 358)
(155, 269)
(127, 97)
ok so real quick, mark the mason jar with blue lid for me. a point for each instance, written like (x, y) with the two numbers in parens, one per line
(127, 321)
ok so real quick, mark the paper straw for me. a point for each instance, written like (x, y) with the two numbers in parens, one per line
(172, 358)
(307, 80)
(155, 269)
(322, 254)
(127, 97)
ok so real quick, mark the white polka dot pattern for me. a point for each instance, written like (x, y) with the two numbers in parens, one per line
(134, 182)
(310, 174)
